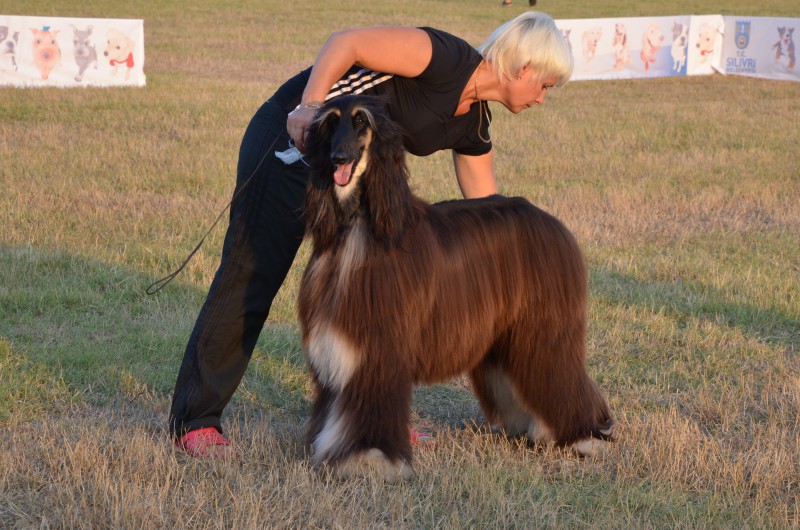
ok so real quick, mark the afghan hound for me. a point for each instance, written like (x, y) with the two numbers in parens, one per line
(398, 292)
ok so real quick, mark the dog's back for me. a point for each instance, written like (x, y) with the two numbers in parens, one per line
(507, 249)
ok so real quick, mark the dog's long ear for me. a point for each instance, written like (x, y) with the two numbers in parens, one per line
(319, 208)
(390, 201)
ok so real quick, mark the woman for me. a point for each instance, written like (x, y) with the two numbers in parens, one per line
(437, 87)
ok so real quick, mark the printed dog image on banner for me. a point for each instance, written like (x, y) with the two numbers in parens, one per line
(784, 48)
(8, 47)
(85, 52)
(760, 47)
(705, 38)
(68, 52)
(590, 38)
(652, 39)
(680, 41)
(622, 53)
(119, 50)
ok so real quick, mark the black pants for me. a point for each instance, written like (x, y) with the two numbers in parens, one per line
(266, 229)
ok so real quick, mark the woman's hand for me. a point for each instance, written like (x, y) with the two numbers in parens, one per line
(298, 121)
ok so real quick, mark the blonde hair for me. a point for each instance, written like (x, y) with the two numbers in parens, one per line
(531, 39)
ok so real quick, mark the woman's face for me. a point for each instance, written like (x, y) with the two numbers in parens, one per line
(526, 90)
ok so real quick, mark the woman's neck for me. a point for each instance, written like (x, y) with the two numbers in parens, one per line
(474, 90)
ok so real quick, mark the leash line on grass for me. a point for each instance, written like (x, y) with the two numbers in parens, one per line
(160, 284)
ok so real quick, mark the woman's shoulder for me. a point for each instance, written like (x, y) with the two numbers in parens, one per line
(449, 54)
(447, 40)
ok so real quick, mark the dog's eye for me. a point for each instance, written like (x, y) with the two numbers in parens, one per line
(359, 120)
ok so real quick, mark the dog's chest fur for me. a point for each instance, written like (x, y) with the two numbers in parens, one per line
(331, 355)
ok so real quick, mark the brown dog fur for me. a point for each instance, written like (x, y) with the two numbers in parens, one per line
(399, 292)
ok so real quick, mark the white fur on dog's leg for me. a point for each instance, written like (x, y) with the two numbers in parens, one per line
(373, 461)
(330, 438)
(591, 447)
(539, 432)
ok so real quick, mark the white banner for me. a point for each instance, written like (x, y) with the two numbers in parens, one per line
(761, 47)
(64, 52)
(619, 48)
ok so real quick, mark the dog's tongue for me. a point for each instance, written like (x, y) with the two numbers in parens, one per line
(342, 174)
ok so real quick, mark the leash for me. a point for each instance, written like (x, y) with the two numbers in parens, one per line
(160, 284)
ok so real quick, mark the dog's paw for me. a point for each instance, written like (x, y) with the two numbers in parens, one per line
(371, 463)
(596, 445)
(590, 447)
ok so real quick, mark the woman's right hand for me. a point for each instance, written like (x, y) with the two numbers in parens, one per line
(298, 121)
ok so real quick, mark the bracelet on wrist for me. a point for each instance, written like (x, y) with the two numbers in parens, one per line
(312, 105)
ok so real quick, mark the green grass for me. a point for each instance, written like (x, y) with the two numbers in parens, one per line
(683, 193)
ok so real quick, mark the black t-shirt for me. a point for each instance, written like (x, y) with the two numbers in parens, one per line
(422, 105)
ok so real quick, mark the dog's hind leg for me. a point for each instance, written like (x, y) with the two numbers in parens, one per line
(551, 381)
(501, 407)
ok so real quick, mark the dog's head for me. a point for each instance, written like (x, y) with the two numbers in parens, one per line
(786, 37)
(8, 42)
(358, 168)
(705, 38)
(592, 36)
(679, 33)
(620, 35)
(344, 131)
(653, 37)
(81, 41)
(118, 46)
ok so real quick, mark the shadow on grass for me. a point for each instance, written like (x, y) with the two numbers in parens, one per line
(684, 300)
(89, 326)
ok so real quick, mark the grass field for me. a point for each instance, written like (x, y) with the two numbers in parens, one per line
(684, 194)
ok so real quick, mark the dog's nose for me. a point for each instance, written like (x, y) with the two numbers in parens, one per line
(339, 158)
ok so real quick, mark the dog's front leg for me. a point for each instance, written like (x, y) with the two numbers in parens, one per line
(375, 409)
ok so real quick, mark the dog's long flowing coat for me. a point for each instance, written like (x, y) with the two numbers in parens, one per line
(399, 291)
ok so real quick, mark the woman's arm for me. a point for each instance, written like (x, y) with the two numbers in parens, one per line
(475, 174)
(391, 50)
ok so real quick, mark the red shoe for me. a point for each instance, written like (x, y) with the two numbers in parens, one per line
(204, 443)
(421, 439)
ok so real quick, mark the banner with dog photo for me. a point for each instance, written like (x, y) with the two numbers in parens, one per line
(761, 47)
(621, 48)
(66, 52)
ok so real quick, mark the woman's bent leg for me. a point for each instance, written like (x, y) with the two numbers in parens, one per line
(266, 229)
